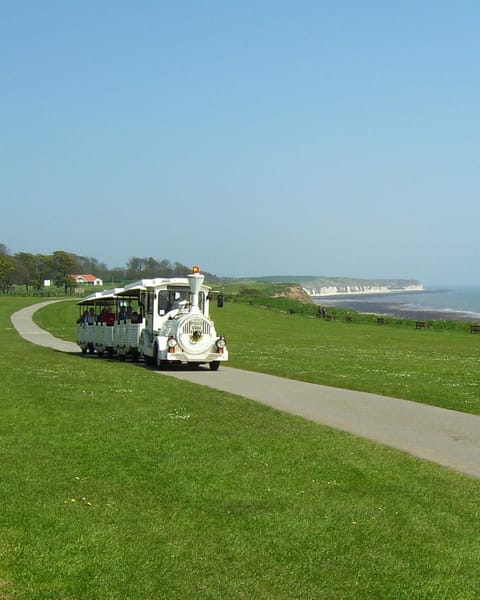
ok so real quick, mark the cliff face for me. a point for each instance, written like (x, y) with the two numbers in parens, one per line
(294, 292)
(307, 287)
(323, 288)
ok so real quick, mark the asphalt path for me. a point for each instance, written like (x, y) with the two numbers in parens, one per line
(446, 437)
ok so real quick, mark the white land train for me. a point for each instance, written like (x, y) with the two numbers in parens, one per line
(163, 321)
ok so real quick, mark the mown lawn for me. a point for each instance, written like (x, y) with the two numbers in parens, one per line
(439, 367)
(120, 483)
(429, 366)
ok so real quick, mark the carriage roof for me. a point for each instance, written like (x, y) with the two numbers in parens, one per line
(157, 283)
(90, 299)
(105, 297)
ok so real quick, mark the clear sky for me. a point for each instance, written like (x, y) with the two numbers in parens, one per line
(251, 137)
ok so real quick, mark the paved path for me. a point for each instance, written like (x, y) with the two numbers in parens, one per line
(30, 331)
(443, 436)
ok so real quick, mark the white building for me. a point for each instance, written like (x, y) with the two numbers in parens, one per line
(87, 279)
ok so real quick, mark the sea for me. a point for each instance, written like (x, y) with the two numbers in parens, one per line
(456, 303)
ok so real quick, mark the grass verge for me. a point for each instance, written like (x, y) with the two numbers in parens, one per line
(434, 366)
(120, 483)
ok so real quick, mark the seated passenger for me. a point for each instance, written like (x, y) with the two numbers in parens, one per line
(90, 317)
(175, 305)
(180, 304)
(107, 316)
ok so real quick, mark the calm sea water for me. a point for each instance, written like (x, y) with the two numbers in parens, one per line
(443, 299)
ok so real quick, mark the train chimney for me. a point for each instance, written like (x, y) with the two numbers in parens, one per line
(195, 279)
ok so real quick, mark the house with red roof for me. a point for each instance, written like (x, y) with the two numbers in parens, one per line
(86, 279)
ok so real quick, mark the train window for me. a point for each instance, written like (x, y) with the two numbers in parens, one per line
(163, 302)
(172, 299)
(149, 302)
(201, 302)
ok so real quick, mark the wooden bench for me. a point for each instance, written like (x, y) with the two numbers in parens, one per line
(330, 318)
(348, 319)
(420, 325)
(474, 327)
(380, 320)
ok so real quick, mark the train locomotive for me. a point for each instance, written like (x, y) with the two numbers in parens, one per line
(164, 321)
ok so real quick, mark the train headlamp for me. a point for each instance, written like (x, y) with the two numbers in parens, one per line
(171, 342)
(195, 269)
(221, 343)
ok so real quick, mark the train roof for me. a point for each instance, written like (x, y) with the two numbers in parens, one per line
(157, 282)
(90, 299)
(111, 293)
(105, 296)
(133, 289)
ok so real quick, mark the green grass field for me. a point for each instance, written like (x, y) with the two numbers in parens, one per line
(435, 366)
(439, 367)
(119, 483)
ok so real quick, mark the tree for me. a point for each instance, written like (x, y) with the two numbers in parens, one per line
(34, 270)
(22, 274)
(64, 265)
(88, 264)
(27, 273)
(181, 270)
(165, 268)
(151, 267)
(135, 267)
(6, 273)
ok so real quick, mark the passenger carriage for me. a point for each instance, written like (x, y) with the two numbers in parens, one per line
(86, 322)
(104, 328)
(95, 324)
(129, 324)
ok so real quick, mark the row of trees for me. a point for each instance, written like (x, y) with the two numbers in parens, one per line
(32, 270)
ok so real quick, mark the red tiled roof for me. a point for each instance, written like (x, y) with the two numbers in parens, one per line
(86, 277)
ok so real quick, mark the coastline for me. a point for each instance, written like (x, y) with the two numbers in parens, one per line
(437, 303)
(402, 311)
(399, 310)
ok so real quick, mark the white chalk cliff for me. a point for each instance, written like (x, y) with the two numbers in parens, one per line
(352, 288)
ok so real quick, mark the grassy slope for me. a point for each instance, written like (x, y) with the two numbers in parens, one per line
(431, 366)
(118, 483)
(437, 367)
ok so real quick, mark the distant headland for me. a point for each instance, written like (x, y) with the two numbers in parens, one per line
(352, 287)
(322, 286)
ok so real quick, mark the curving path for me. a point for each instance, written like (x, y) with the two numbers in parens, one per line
(439, 435)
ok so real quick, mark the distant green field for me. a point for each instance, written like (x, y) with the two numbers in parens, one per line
(119, 483)
(432, 366)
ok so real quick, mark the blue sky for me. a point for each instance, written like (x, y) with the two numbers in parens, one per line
(249, 137)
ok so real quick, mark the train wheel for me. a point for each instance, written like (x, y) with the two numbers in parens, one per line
(148, 360)
(214, 365)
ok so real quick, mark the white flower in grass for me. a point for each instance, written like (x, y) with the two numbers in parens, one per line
(177, 415)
